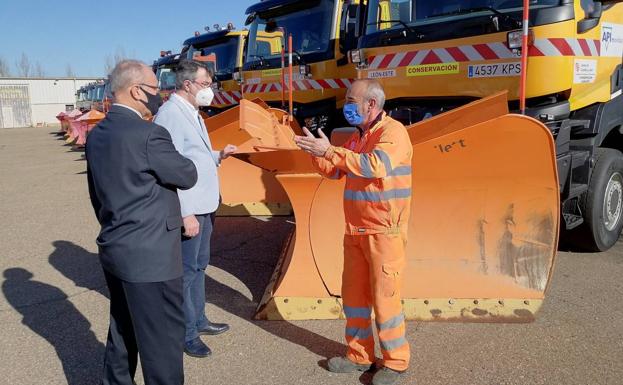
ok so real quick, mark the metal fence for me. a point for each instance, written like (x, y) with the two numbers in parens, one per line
(15, 108)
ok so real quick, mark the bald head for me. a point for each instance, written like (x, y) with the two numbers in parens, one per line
(126, 73)
(130, 82)
(368, 89)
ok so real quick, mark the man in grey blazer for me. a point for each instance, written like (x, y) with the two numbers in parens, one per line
(133, 172)
(180, 116)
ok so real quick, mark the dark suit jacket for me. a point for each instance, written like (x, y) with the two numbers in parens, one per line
(133, 171)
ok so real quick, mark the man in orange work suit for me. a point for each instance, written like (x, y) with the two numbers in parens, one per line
(376, 162)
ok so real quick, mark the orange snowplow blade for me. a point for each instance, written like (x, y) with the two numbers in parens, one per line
(92, 117)
(245, 188)
(483, 231)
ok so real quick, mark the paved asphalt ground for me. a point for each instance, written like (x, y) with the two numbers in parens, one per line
(54, 307)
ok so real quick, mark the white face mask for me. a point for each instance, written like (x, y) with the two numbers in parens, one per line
(204, 97)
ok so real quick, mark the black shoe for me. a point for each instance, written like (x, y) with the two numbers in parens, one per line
(386, 376)
(212, 329)
(196, 348)
(344, 365)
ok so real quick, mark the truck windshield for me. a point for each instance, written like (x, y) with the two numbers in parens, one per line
(309, 22)
(99, 95)
(221, 56)
(401, 14)
(166, 78)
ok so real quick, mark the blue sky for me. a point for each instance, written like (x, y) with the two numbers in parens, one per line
(83, 33)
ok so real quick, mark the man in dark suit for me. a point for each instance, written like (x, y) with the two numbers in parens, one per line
(133, 173)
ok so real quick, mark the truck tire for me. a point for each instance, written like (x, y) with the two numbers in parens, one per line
(603, 202)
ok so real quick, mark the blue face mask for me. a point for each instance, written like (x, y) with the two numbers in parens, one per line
(351, 113)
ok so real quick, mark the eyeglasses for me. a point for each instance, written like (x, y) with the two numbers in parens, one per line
(149, 85)
(204, 84)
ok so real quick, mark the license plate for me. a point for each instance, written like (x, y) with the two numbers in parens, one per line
(494, 70)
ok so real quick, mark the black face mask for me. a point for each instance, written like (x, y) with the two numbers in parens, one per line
(153, 102)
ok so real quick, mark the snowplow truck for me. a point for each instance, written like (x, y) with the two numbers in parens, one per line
(81, 97)
(323, 31)
(434, 56)
(102, 98)
(245, 188)
(164, 68)
(222, 52)
(86, 97)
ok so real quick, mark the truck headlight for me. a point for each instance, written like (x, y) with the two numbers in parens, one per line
(355, 56)
(305, 70)
(514, 38)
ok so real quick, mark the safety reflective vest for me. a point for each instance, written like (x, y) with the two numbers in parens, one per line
(377, 167)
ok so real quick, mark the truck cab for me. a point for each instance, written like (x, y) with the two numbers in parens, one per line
(222, 51)
(102, 97)
(164, 68)
(88, 96)
(81, 98)
(435, 56)
(322, 33)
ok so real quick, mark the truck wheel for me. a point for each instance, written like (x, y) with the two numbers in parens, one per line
(603, 204)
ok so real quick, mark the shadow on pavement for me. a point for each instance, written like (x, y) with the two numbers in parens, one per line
(248, 248)
(79, 265)
(47, 311)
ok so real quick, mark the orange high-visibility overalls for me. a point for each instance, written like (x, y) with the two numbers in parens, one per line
(377, 198)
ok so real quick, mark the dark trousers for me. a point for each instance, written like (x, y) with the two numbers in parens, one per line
(146, 319)
(196, 257)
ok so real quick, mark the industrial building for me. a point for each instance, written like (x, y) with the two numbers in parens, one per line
(26, 102)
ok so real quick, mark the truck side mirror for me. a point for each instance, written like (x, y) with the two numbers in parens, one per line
(591, 20)
(349, 22)
(271, 26)
(250, 18)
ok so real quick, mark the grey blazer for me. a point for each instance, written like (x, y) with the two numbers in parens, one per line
(191, 139)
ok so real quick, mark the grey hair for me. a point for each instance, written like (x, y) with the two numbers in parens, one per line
(126, 73)
(187, 70)
(374, 90)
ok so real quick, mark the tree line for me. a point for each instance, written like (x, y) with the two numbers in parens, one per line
(26, 68)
